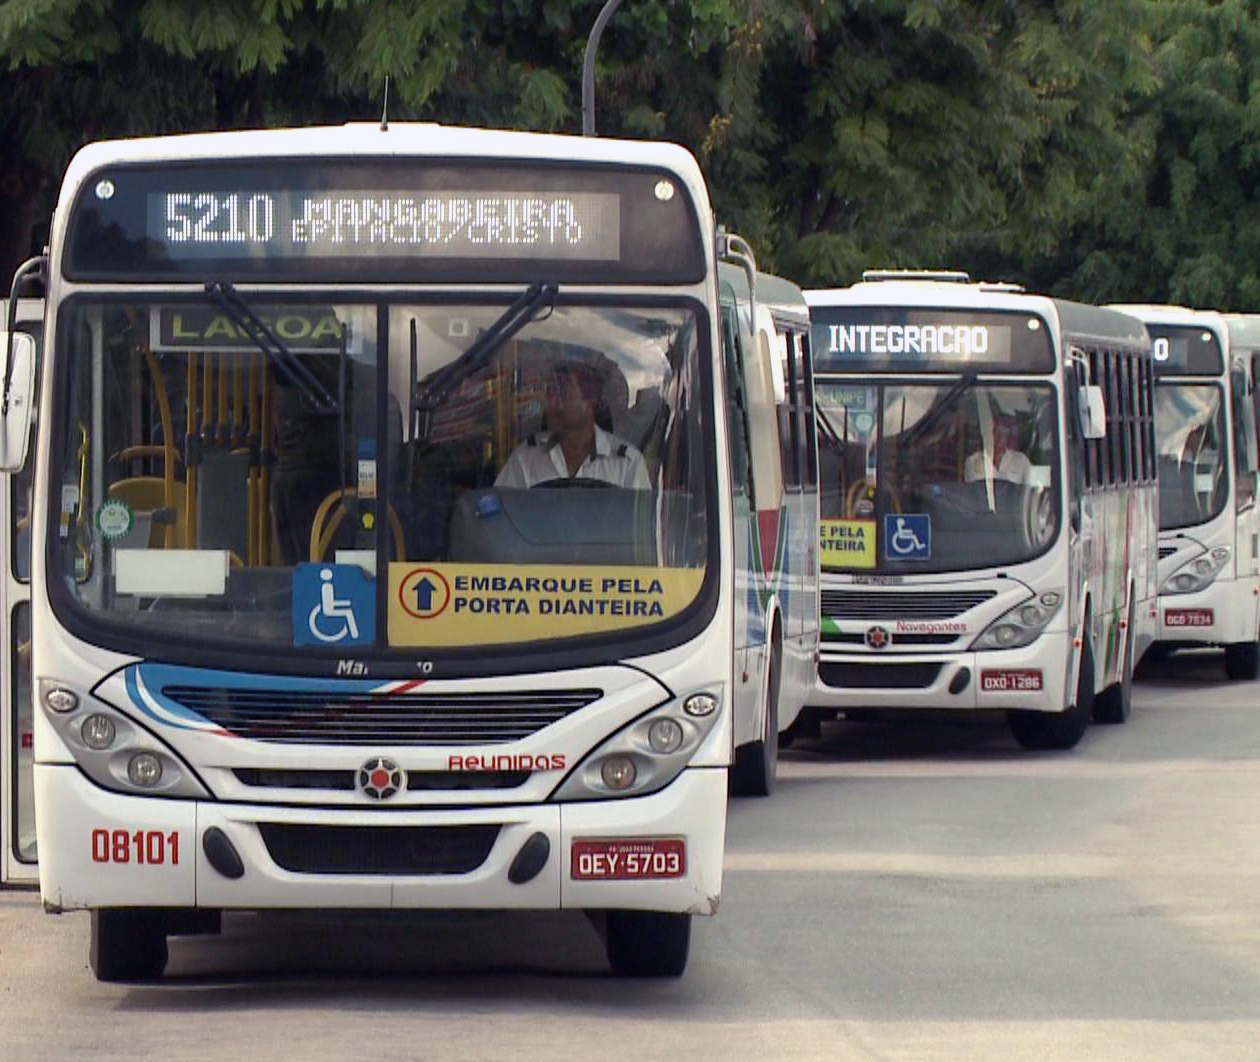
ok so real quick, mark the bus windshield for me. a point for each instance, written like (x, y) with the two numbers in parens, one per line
(940, 476)
(1193, 477)
(510, 472)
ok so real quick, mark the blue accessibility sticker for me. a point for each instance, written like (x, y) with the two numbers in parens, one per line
(907, 536)
(333, 604)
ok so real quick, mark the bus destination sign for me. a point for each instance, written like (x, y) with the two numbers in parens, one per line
(899, 339)
(442, 223)
(385, 221)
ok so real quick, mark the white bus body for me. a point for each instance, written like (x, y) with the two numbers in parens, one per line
(17, 802)
(1205, 424)
(971, 558)
(307, 630)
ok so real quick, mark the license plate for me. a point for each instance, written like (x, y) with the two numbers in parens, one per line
(1017, 680)
(629, 859)
(1188, 617)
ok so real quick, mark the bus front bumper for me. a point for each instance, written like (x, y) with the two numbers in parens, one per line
(1034, 678)
(1219, 614)
(104, 849)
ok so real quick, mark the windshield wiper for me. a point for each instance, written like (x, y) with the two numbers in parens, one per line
(313, 393)
(829, 430)
(524, 310)
(964, 384)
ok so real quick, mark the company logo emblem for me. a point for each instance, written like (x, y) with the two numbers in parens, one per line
(878, 637)
(380, 778)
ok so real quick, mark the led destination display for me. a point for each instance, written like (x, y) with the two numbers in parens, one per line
(443, 223)
(388, 220)
(928, 340)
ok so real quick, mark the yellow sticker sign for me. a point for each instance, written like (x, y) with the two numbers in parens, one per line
(488, 604)
(847, 543)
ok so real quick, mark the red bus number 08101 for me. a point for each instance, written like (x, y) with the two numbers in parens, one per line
(142, 846)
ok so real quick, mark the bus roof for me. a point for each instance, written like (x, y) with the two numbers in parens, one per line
(1167, 314)
(398, 140)
(1075, 318)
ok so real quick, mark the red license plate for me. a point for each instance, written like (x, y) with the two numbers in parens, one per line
(1016, 680)
(629, 859)
(1188, 617)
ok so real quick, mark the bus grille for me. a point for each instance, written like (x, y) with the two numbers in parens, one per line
(901, 604)
(343, 781)
(879, 676)
(329, 718)
(396, 850)
(1167, 551)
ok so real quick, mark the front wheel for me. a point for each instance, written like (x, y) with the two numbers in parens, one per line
(647, 943)
(1242, 660)
(128, 944)
(1058, 730)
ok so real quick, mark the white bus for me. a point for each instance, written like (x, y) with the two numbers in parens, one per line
(387, 553)
(988, 530)
(1209, 523)
(17, 804)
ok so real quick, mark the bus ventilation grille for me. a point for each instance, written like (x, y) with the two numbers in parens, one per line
(879, 676)
(1167, 551)
(326, 717)
(901, 604)
(394, 850)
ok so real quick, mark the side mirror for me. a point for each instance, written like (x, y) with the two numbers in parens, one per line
(16, 405)
(1093, 412)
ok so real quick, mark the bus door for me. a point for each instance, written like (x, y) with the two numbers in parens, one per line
(17, 805)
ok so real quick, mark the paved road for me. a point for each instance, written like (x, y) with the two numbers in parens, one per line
(911, 892)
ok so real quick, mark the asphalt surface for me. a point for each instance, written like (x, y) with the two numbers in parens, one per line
(914, 890)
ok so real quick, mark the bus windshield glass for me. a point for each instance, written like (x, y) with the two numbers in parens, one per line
(941, 476)
(490, 473)
(1193, 476)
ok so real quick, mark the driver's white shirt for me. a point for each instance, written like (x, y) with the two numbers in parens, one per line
(539, 458)
(1013, 467)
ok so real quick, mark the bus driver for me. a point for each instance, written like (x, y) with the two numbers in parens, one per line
(574, 446)
(1007, 462)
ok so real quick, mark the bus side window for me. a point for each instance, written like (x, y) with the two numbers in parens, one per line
(1243, 412)
(736, 407)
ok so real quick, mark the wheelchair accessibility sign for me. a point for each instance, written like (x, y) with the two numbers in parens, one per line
(907, 536)
(333, 604)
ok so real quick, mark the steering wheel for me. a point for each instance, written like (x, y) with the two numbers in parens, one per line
(860, 487)
(570, 482)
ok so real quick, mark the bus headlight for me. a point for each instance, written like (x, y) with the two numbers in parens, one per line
(1196, 574)
(647, 754)
(1022, 624)
(116, 752)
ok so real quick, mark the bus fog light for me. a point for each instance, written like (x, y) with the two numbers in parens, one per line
(98, 732)
(59, 699)
(665, 736)
(618, 772)
(700, 705)
(144, 769)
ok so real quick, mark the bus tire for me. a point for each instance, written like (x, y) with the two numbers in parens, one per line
(1242, 660)
(1058, 730)
(647, 943)
(128, 944)
(1115, 703)
(756, 763)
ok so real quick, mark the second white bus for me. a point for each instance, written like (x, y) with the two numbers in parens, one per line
(988, 497)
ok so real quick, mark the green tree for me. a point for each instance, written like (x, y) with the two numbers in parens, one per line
(944, 133)
(1183, 226)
